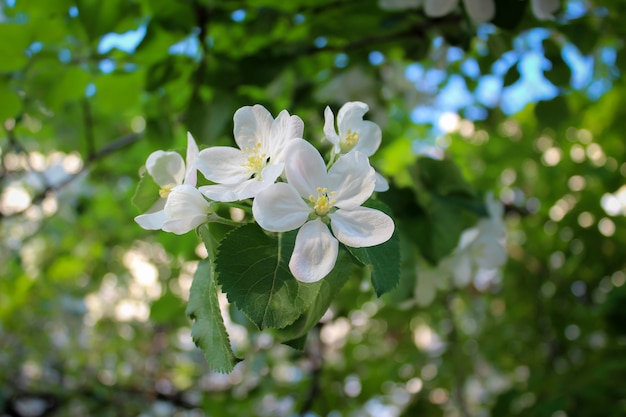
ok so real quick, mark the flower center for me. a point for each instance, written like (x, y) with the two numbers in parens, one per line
(257, 160)
(349, 141)
(323, 202)
(166, 190)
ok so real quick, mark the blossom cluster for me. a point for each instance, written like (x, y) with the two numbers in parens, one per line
(290, 184)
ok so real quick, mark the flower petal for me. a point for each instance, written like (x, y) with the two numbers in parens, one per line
(191, 173)
(315, 252)
(167, 168)
(304, 167)
(252, 126)
(439, 8)
(351, 114)
(361, 227)
(370, 137)
(353, 180)
(154, 218)
(381, 183)
(284, 128)
(223, 164)
(279, 208)
(480, 11)
(224, 192)
(185, 209)
(329, 128)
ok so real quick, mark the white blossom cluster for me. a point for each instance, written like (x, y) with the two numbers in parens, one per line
(290, 184)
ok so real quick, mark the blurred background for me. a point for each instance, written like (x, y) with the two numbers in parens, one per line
(527, 103)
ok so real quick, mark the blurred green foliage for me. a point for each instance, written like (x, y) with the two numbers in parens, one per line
(92, 307)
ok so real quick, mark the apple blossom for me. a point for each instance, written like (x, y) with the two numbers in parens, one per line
(168, 171)
(314, 199)
(242, 173)
(186, 208)
(354, 134)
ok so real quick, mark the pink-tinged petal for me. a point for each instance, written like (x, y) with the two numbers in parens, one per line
(284, 128)
(315, 252)
(185, 209)
(439, 8)
(279, 208)
(370, 137)
(381, 184)
(191, 173)
(167, 168)
(353, 180)
(329, 128)
(154, 218)
(304, 167)
(361, 227)
(350, 115)
(223, 164)
(252, 126)
(480, 11)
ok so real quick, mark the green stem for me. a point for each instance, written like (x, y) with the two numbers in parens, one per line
(210, 243)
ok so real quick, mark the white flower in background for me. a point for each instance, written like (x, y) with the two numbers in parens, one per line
(168, 170)
(186, 208)
(312, 199)
(480, 247)
(242, 173)
(478, 10)
(354, 134)
(545, 9)
(399, 4)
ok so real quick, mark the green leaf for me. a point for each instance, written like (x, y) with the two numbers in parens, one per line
(147, 193)
(254, 272)
(382, 260)
(15, 40)
(208, 331)
(295, 334)
(441, 177)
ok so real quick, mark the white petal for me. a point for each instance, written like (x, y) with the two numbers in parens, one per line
(353, 180)
(381, 183)
(223, 164)
(350, 114)
(284, 128)
(185, 209)
(279, 208)
(315, 252)
(439, 8)
(480, 10)
(304, 167)
(154, 218)
(252, 126)
(370, 137)
(545, 9)
(224, 192)
(361, 227)
(167, 168)
(191, 173)
(329, 128)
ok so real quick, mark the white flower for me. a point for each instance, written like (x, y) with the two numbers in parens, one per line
(312, 199)
(545, 9)
(242, 173)
(185, 209)
(168, 171)
(480, 247)
(478, 10)
(355, 134)
(399, 4)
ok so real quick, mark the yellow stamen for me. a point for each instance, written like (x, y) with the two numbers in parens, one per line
(323, 202)
(256, 160)
(349, 141)
(166, 190)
